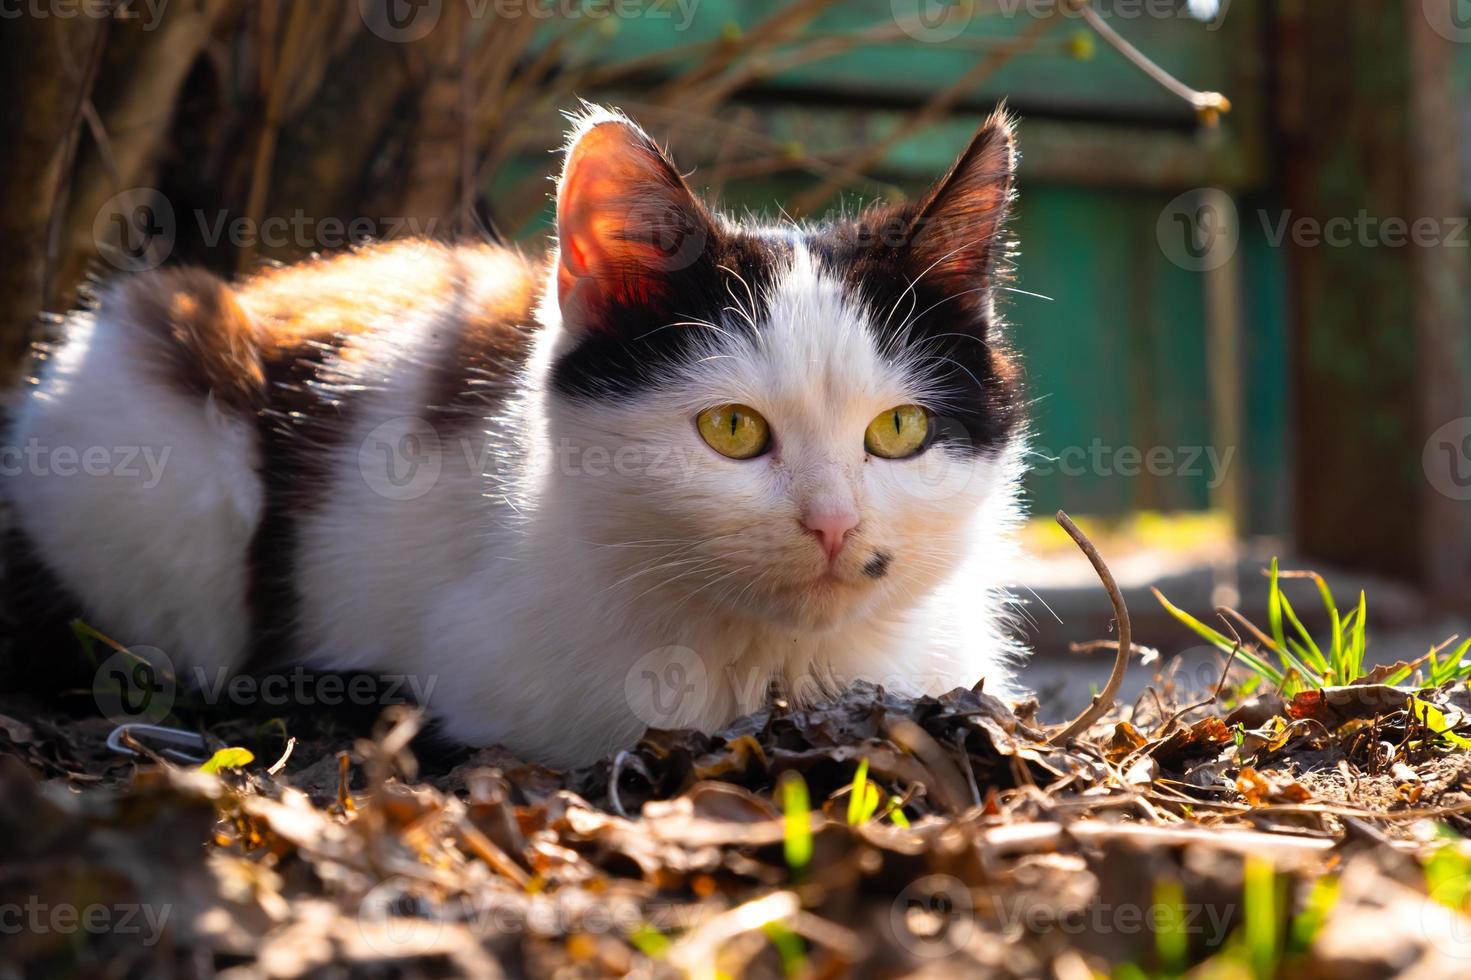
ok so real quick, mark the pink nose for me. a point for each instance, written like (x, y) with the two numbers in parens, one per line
(831, 528)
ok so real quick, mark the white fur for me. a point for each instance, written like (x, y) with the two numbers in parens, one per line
(690, 559)
(157, 550)
(576, 570)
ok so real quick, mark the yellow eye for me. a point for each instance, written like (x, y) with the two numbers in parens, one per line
(737, 431)
(897, 433)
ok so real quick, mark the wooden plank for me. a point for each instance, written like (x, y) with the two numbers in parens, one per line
(1441, 279)
(1377, 327)
(1265, 381)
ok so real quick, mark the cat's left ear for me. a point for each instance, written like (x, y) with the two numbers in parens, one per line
(955, 235)
(627, 224)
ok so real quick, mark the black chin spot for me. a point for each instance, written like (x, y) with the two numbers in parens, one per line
(878, 565)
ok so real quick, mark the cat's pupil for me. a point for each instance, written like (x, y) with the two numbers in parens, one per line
(897, 426)
(735, 420)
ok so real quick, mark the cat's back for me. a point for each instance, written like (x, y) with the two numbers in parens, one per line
(186, 429)
(406, 299)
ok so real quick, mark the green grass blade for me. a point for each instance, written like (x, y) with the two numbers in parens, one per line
(1398, 677)
(789, 947)
(797, 810)
(895, 813)
(1171, 941)
(863, 798)
(1222, 642)
(1319, 905)
(1453, 668)
(1274, 608)
(1295, 657)
(1435, 720)
(1260, 928)
(1261, 668)
(1359, 644)
(1212, 637)
(1309, 649)
(1335, 638)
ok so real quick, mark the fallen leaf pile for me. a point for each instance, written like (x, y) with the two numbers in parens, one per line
(982, 849)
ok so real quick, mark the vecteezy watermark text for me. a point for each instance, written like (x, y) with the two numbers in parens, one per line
(140, 684)
(407, 21)
(1365, 230)
(303, 688)
(147, 13)
(138, 229)
(1200, 230)
(36, 917)
(36, 458)
(1212, 922)
(938, 21)
(1100, 459)
(397, 912)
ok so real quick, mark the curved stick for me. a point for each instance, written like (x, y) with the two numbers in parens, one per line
(1105, 697)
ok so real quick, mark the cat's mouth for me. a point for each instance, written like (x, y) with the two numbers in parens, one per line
(841, 576)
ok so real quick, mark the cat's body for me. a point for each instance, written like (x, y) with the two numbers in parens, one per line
(485, 472)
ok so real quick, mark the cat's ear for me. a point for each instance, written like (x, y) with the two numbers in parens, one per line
(955, 235)
(626, 223)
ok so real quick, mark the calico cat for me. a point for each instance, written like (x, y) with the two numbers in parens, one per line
(680, 460)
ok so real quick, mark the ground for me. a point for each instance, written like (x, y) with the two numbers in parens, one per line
(1217, 823)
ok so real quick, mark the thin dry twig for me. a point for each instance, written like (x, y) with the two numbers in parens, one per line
(1208, 106)
(280, 763)
(1105, 698)
(1174, 719)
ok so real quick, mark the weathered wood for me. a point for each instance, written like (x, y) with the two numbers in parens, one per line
(1441, 279)
(1370, 311)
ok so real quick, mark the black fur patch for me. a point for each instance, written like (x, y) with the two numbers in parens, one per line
(979, 408)
(634, 345)
(878, 565)
(296, 434)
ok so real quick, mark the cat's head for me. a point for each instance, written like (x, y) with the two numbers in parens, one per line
(794, 422)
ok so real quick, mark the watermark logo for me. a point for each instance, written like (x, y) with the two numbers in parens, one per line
(933, 21)
(135, 230)
(1199, 231)
(1447, 459)
(946, 470)
(668, 687)
(135, 686)
(401, 459)
(401, 21)
(933, 917)
(1451, 19)
(394, 917)
(671, 237)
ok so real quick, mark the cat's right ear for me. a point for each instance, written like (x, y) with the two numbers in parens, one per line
(956, 233)
(627, 224)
